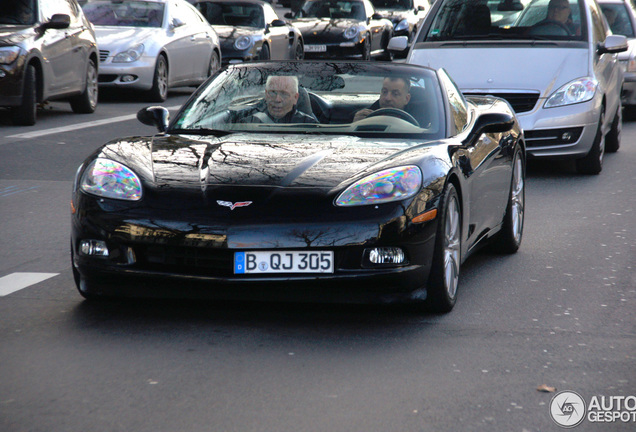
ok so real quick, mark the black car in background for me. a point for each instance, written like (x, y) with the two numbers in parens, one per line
(405, 15)
(343, 29)
(251, 30)
(47, 51)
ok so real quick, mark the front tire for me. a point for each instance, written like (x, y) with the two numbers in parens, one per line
(26, 113)
(264, 54)
(159, 90)
(592, 163)
(444, 277)
(215, 64)
(613, 137)
(86, 103)
(300, 51)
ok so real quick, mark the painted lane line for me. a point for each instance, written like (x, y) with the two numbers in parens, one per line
(78, 126)
(17, 281)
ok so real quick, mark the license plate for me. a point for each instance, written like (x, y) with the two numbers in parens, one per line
(261, 262)
(315, 48)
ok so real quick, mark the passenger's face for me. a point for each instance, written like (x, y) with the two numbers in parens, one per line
(280, 96)
(561, 12)
(394, 94)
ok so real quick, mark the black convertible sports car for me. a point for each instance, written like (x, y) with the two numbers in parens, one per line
(343, 29)
(225, 204)
(251, 30)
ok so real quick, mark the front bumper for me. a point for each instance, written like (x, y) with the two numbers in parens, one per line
(339, 50)
(12, 83)
(196, 261)
(138, 75)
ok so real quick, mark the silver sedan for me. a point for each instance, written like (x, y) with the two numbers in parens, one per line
(153, 45)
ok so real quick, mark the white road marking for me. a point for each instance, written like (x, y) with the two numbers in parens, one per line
(17, 281)
(78, 126)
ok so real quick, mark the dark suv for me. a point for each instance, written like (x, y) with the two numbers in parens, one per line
(47, 51)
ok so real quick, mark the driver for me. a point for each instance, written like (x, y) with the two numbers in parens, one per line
(559, 12)
(395, 93)
(281, 96)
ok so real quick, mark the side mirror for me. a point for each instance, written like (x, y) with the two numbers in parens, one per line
(156, 116)
(289, 15)
(376, 16)
(176, 22)
(613, 44)
(278, 23)
(492, 123)
(57, 21)
(398, 43)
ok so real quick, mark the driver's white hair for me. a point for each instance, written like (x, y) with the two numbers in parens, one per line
(292, 78)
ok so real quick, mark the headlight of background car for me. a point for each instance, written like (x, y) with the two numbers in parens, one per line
(402, 25)
(110, 179)
(392, 184)
(243, 43)
(9, 54)
(130, 55)
(351, 32)
(577, 91)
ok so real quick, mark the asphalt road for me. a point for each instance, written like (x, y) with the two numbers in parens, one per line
(560, 313)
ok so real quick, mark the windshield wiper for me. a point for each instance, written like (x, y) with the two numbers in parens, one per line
(200, 131)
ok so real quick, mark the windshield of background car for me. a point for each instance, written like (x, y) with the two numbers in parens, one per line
(618, 19)
(332, 10)
(329, 96)
(233, 14)
(17, 12)
(558, 20)
(125, 14)
(401, 5)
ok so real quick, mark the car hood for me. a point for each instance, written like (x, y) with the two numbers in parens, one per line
(108, 37)
(13, 35)
(319, 26)
(248, 160)
(393, 15)
(532, 69)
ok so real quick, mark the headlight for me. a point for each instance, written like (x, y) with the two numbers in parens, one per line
(9, 54)
(351, 32)
(402, 25)
(110, 179)
(243, 43)
(577, 91)
(130, 55)
(392, 184)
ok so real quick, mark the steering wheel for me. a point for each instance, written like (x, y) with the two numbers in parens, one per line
(395, 112)
(550, 28)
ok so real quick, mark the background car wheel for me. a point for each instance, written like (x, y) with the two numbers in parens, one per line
(26, 113)
(159, 90)
(300, 51)
(444, 277)
(592, 163)
(366, 49)
(86, 102)
(264, 54)
(509, 238)
(215, 64)
(613, 137)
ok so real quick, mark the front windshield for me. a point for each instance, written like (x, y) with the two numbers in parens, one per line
(125, 14)
(401, 5)
(332, 10)
(18, 12)
(233, 14)
(508, 19)
(318, 98)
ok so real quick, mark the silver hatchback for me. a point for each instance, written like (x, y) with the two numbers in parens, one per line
(556, 63)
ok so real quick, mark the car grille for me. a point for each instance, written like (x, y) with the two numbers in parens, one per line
(552, 137)
(520, 102)
(103, 55)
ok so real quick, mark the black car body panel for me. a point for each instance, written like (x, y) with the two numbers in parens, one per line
(242, 187)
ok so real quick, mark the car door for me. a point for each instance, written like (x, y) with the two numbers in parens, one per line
(183, 45)
(201, 41)
(60, 74)
(376, 26)
(277, 34)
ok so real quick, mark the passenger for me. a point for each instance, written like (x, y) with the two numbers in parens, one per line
(559, 12)
(395, 93)
(281, 96)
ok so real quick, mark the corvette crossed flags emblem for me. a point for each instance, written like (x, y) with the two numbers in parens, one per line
(232, 205)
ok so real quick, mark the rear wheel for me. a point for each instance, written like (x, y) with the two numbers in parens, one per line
(159, 90)
(592, 163)
(444, 277)
(86, 102)
(509, 238)
(26, 113)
